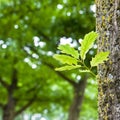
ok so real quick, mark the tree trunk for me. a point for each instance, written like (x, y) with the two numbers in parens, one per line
(108, 27)
(9, 110)
(75, 107)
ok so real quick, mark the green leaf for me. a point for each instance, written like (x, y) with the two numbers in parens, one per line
(84, 71)
(87, 43)
(69, 50)
(99, 58)
(66, 59)
(67, 67)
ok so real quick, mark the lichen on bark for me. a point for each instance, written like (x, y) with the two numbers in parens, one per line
(108, 27)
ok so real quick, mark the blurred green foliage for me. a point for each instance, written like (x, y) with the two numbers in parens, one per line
(30, 31)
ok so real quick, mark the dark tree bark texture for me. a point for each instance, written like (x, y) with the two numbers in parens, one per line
(108, 27)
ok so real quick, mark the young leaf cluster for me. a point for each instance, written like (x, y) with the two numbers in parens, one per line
(72, 59)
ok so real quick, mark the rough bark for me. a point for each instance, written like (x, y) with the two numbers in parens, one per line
(108, 27)
(79, 88)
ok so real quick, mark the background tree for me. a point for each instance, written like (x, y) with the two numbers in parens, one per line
(108, 27)
(30, 32)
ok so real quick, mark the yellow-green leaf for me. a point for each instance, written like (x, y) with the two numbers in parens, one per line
(65, 59)
(84, 71)
(99, 58)
(69, 50)
(87, 43)
(67, 67)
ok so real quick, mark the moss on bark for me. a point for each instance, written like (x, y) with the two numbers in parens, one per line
(108, 27)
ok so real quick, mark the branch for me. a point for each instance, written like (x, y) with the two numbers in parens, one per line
(1, 105)
(13, 84)
(42, 34)
(25, 106)
(14, 79)
(66, 78)
(61, 75)
(5, 84)
(52, 67)
(29, 101)
(32, 89)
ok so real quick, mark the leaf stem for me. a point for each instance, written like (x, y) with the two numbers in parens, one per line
(84, 65)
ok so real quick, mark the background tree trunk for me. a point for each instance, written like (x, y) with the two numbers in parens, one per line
(108, 27)
(79, 88)
(9, 110)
